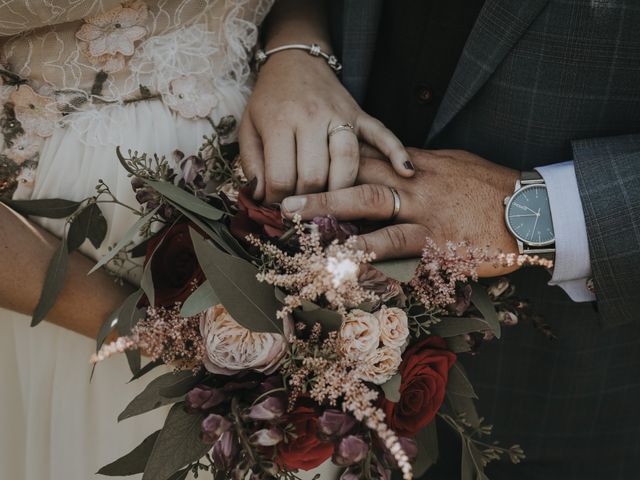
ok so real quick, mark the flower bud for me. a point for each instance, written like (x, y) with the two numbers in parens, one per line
(213, 426)
(350, 450)
(463, 300)
(349, 475)
(204, 398)
(267, 437)
(507, 318)
(137, 183)
(269, 409)
(498, 287)
(333, 423)
(224, 451)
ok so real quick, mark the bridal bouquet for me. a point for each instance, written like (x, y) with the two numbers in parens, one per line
(287, 345)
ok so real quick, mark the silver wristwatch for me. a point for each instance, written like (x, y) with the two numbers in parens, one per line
(528, 216)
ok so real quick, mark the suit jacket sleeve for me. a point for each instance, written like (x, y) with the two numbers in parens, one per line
(608, 174)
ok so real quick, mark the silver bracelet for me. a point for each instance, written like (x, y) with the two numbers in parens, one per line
(313, 49)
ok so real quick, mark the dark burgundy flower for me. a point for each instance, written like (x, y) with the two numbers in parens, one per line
(174, 266)
(425, 371)
(330, 229)
(463, 300)
(225, 451)
(350, 450)
(204, 398)
(213, 427)
(193, 169)
(335, 424)
(255, 219)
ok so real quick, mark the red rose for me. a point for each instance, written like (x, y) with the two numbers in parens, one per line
(424, 371)
(255, 219)
(174, 266)
(305, 451)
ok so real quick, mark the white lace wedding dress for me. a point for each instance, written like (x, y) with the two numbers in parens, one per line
(80, 77)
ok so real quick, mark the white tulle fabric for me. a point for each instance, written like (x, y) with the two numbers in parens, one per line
(55, 425)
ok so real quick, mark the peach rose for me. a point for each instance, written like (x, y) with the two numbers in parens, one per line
(394, 327)
(381, 365)
(231, 348)
(359, 334)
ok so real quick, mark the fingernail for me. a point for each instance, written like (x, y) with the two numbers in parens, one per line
(408, 165)
(294, 204)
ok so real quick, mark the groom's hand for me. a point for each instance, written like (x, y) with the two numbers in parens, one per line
(454, 196)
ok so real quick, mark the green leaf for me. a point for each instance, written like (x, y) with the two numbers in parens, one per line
(428, 451)
(150, 398)
(250, 302)
(181, 474)
(146, 369)
(53, 282)
(458, 405)
(107, 327)
(312, 314)
(480, 299)
(185, 199)
(391, 388)
(453, 326)
(134, 461)
(471, 462)
(89, 223)
(199, 301)
(178, 444)
(402, 269)
(146, 282)
(134, 360)
(126, 238)
(231, 242)
(183, 386)
(49, 208)
(458, 383)
(129, 313)
(458, 344)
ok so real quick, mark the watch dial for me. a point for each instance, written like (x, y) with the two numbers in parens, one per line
(529, 215)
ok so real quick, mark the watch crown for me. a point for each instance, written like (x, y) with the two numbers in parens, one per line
(506, 200)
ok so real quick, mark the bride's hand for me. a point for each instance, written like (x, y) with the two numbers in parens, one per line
(297, 101)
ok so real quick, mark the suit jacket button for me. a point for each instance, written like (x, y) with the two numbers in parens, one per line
(424, 94)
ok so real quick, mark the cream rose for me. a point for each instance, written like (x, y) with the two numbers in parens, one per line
(394, 327)
(359, 334)
(231, 348)
(382, 364)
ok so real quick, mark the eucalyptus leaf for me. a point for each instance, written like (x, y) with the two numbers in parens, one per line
(458, 405)
(471, 462)
(146, 283)
(453, 326)
(129, 313)
(458, 344)
(107, 327)
(200, 300)
(391, 388)
(182, 386)
(126, 238)
(428, 451)
(146, 369)
(53, 282)
(458, 383)
(134, 360)
(402, 269)
(180, 474)
(232, 242)
(177, 445)
(150, 398)
(185, 199)
(134, 461)
(250, 302)
(480, 299)
(329, 319)
(49, 208)
(89, 223)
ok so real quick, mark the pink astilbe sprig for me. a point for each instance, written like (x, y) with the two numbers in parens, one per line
(163, 335)
(439, 271)
(316, 273)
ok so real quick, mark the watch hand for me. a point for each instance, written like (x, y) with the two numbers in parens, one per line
(535, 223)
(523, 215)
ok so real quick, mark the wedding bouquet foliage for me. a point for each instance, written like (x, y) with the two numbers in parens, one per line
(287, 346)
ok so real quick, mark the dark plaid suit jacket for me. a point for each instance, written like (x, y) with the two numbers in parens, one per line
(540, 82)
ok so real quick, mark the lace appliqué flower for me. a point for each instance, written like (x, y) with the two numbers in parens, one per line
(36, 113)
(107, 39)
(191, 97)
(23, 148)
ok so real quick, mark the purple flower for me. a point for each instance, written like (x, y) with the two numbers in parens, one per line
(330, 229)
(498, 287)
(463, 300)
(409, 447)
(507, 318)
(204, 398)
(269, 409)
(272, 382)
(224, 451)
(335, 424)
(213, 426)
(267, 437)
(350, 450)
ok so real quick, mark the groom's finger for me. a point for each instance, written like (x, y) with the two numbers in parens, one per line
(395, 241)
(363, 202)
(252, 158)
(377, 135)
(345, 159)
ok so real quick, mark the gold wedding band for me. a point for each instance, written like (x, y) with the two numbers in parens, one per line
(341, 128)
(396, 204)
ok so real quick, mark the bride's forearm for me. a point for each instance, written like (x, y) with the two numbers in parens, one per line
(85, 301)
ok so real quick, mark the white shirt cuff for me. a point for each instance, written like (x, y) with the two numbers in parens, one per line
(572, 266)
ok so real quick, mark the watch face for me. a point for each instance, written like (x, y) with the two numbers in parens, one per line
(529, 217)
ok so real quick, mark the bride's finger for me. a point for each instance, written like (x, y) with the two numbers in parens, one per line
(280, 165)
(251, 154)
(345, 159)
(377, 135)
(363, 202)
(312, 160)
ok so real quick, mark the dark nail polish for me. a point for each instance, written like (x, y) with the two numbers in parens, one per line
(408, 165)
